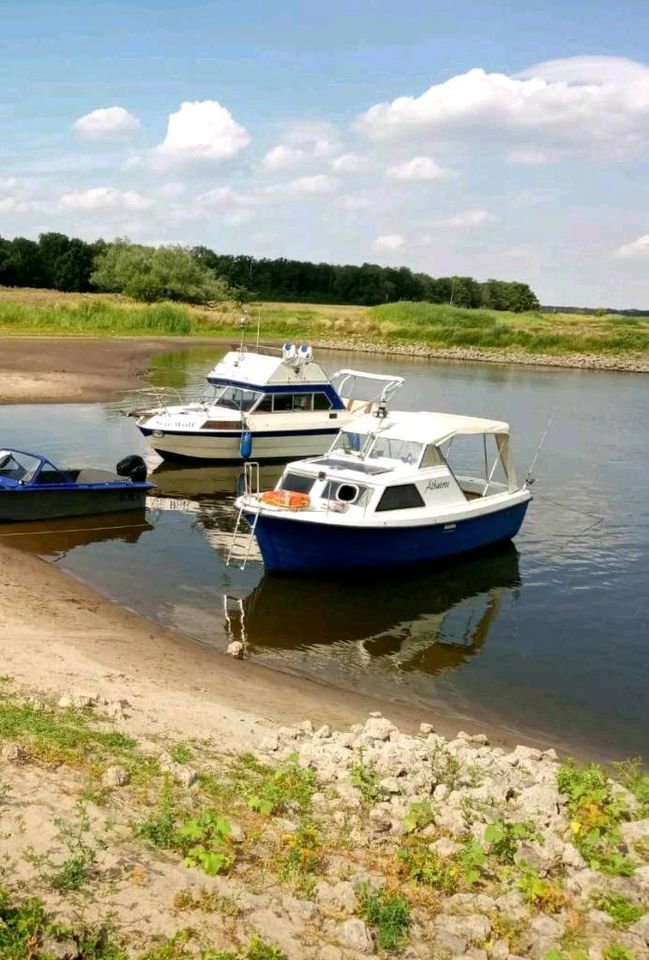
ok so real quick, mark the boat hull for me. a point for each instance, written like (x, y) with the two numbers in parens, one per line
(225, 447)
(39, 504)
(290, 545)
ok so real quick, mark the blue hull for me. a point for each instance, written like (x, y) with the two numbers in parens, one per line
(293, 546)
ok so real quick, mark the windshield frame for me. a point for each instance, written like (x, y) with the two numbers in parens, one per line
(369, 443)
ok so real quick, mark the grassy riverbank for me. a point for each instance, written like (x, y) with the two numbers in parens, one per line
(408, 326)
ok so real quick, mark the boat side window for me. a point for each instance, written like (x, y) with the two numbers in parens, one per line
(290, 402)
(404, 496)
(265, 405)
(19, 466)
(347, 442)
(237, 398)
(297, 483)
(49, 475)
(321, 401)
(432, 457)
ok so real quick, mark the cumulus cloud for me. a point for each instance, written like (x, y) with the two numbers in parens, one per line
(580, 105)
(389, 241)
(350, 163)
(319, 183)
(419, 168)
(201, 131)
(282, 157)
(104, 198)
(108, 123)
(17, 196)
(316, 137)
(468, 218)
(636, 249)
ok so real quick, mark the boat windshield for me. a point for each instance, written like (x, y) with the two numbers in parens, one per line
(369, 446)
(238, 398)
(18, 466)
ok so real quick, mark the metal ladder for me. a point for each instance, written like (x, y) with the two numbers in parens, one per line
(242, 540)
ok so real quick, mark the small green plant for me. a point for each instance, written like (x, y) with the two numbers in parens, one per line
(419, 863)
(632, 776)
(365, 778)
(419, 816)
(446, 768)
(545, 895)
(622, 911)
(262, 950)
(616, 952)
(204, 842)
(595, 814)
(159, 829)
(471, 858)
(389, 914)
(180, 753)
(288, 789)
(302, 859)
(504, 837)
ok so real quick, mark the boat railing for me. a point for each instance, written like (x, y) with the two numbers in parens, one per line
(155, 398)
(242, 540)
(391, 383)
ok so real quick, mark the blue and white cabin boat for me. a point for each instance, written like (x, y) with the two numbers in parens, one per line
(394, 489)
(270, 406)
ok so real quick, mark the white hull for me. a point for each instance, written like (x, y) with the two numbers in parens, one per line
(228, 449)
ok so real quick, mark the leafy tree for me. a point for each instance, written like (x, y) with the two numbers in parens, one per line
(150, 274)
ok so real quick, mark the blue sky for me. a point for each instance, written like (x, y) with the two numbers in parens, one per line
(483, 138)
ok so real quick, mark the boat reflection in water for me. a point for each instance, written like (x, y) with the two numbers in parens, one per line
(428, 623)
(54, 539)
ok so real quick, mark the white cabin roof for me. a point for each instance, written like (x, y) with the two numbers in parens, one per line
(424, 427)
(259, 369)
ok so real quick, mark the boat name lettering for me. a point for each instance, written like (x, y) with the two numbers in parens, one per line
(438, 484)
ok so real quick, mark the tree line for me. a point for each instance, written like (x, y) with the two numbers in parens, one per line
(199, 275)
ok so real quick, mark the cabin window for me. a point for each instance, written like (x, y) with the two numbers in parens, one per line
(265, 405)
(303, 402)
(238, 398)
(347, 442)
(321, 401)
(405, 496)
(282, 402)
(297, 483)
(292, 402)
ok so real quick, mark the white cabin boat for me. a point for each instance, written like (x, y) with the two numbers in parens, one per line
(394, 489)
(270, 406)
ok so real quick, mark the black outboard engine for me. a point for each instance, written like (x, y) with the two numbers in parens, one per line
(132, 467)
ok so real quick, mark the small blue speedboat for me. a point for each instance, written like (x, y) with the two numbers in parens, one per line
(32, 488)
(395, 489)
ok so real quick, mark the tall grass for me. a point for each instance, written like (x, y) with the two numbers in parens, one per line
(442, 325)
(100, 317)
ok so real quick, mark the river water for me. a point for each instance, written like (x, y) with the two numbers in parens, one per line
(547, 636)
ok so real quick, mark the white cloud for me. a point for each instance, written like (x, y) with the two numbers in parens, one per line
(318, 138)
(18, 196)
(419, 168)
(108, 123)
(319, 183)
(104, 198)
(637, 248)
(532, 158)
(350, 163)
(282, 157)
(352, 201)
(201, 131)
(577, 104)
(389, 241)
(468, 218)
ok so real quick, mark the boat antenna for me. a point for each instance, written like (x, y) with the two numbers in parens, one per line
(242, 327)
(258, 326)
(529, 479)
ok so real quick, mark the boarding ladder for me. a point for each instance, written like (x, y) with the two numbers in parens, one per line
(242, 539)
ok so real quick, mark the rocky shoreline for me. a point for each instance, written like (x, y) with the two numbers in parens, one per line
(632, 363)
(314, 845)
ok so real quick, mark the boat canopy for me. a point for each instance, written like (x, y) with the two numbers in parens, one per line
(266, 369)
(422, 427)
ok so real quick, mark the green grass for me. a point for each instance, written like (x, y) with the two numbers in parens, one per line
(437, 326)
(389, 915)
(61, 736)
(622, 912)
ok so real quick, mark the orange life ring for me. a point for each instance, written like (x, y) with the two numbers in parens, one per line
(286, 498)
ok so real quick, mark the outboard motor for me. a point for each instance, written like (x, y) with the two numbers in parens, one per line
(132, 467)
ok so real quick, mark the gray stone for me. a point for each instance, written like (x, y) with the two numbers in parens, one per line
(426, 728)
(445, 847)
(235, 649)
(115, 777)
(473, 927)
(338, 896)
(355, 935)
(499, 950)
(323, 732)
(548, 928)
(13, 752)
(448, 943)
(551, 754)
(237, 833)
(378, 728)
(469, 904)
(59, 949)
(641, 928)
(636, 830)
(390, 785)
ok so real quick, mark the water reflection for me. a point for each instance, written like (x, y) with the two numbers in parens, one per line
(429, 622)
(54, 539)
